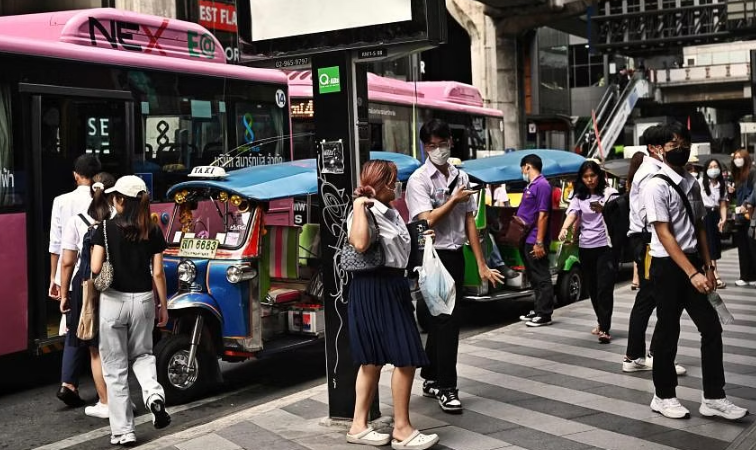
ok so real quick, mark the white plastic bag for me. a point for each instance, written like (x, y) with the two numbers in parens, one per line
(436, 284)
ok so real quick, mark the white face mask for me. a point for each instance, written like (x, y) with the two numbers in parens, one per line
(526, 177)
(440, 156)
(713, 173)
(739, 162)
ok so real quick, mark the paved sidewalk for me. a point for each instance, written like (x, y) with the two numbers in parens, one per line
(547, 388)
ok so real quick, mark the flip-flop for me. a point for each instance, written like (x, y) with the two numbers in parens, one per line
(595, 331)
(721, 284)
(634, 287)
(369, 437)
(415, 441)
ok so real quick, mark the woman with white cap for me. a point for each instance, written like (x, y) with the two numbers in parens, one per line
(133, 245)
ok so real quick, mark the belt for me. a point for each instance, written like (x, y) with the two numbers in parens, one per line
(712, 208)
(385, 271)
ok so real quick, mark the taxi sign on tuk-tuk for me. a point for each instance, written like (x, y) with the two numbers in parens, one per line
(208, 172)
(198, 248)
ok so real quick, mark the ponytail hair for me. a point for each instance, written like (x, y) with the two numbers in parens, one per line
(376, 174)
(100, 208)
(135, 220)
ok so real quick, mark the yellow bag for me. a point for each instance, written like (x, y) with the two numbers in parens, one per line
(87, 328)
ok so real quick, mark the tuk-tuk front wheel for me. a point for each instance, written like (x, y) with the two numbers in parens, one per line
(181, 381)
(570, 286)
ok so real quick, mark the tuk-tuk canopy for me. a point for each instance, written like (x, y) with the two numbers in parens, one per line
(506, 168)
(284, 180)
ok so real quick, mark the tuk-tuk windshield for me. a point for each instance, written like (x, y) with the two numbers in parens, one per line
(216, 217)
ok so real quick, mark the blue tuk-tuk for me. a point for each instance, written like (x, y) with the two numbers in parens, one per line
(560, 168)
(241, 273)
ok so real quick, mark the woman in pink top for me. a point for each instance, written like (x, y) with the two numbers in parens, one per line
(596, 256)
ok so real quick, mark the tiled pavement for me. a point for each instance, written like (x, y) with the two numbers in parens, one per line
(546, 388)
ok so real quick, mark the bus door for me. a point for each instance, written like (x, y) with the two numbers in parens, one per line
(66, 123)
(460, 143)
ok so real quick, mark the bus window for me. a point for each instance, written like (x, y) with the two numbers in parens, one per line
(395, 121)
(495, 134)
(478, 141)
(12, 182)
(259, 135)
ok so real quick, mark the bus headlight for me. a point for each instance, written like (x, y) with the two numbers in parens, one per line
(238, 273)
(187, 272)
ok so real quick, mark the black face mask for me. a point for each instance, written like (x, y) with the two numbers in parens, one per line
(678, 157)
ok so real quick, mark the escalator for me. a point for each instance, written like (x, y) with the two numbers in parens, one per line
(612, 113)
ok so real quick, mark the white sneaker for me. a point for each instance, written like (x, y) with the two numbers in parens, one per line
(669, 407)
(721, 407)
(635, 365)
(127, 439)
(679, 370)
(752, 283)
(741, 283)
(99, 410)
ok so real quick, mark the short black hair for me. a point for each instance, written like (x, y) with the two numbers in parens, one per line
(651, 135)
(533, 160)
(434, 127)
(676, 128)
(87, 166)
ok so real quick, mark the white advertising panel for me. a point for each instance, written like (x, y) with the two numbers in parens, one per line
(299, 17)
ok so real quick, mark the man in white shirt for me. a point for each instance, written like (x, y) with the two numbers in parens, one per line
(64, 207)
(682, 276)
(440, 193)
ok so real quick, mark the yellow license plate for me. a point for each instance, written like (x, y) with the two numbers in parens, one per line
(198, 248)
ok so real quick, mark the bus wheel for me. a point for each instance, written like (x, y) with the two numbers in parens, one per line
(180, 381)
(569, 286)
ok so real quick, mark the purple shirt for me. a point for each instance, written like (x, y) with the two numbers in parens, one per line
(536, 198)
(593, 233)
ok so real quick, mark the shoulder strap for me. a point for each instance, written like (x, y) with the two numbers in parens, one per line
(682, 195)
(105, 232)
(84, 219)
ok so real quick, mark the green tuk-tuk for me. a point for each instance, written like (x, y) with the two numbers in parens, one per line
(560, 168)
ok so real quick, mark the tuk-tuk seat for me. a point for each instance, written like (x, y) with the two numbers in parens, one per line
(282, 246)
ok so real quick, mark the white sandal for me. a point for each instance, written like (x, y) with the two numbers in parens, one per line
(415, 441)
(369, 437)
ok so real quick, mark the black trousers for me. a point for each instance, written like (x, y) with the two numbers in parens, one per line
(644, 304)
(675, 293)
(443, 332)
(537, 271)
(745, 256)
(600, 273)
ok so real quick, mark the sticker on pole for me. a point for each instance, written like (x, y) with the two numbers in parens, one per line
(329, 80)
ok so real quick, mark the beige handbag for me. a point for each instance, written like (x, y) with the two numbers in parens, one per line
(87, 328)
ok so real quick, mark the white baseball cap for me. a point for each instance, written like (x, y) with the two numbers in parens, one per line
(129, 185)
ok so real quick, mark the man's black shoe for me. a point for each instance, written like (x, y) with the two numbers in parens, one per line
(160, 417)
(448, 400)
(70, 398)
(430, 389)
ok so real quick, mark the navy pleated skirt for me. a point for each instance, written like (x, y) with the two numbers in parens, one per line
(382, 327)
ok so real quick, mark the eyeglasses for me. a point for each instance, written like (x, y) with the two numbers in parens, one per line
(431, 147)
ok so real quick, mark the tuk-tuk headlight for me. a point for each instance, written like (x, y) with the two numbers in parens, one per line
(187, 271)
(238, 273)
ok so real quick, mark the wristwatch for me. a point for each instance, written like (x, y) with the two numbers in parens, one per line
(539, 244)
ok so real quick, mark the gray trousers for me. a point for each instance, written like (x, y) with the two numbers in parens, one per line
(126, 324)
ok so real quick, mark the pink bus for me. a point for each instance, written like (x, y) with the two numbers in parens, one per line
(148, 95)
(398, 108)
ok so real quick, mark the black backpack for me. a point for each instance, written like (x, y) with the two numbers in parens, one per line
(617, 218)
